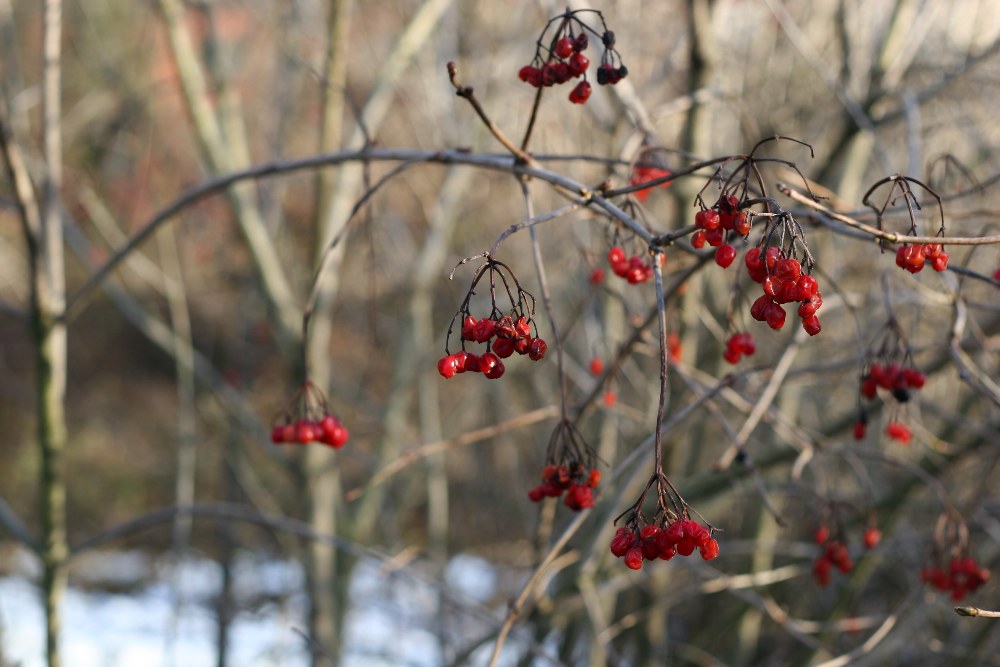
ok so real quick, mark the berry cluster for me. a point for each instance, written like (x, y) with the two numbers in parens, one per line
(569, 468)
(912, 257)
(898, 380)
(644, 174)
(577, 483)
(308, 418)
(650, 542)
(834, 552)
(562, 59)
(890, 368)
(634, 269)
(962, 576)
(737, 345)
(503, 334)
(720, 224)
(782, 280)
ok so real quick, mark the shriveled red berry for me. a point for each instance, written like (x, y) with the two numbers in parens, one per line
(503, 347)
(537, 348)
(633, 558)
(578, 64)
(483, 330)
(468, 324)
(581, 93)
(775, 316)
(622, 542)
(709, 550)
(812, 325)
(698, 239)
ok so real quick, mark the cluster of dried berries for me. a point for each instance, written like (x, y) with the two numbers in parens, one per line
(503, 333)
(569, 468)
(738, 345)
(308, 418)
(562, 59)
(720, 224)
(961, 577)
(899, 381)
(912, 257)
(651, 542)
(634, 269)
(782, 281)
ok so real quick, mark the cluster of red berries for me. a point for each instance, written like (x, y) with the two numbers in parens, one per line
(913, 256)
(782, 281)
(644, 174)
(719, 224)
(566, 61)
(575, 481)
(634, 269)
(507, 335)
(682, 536)
(962, 576)
(307, 418)
(834, 553)
(329, 430)
(899, 381)
(737, 345)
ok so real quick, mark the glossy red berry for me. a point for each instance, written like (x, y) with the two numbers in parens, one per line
(448, 366)
(725, 255)
(578, 64)
(537, 348)
(698, 239)
(564, 47)
(707, 219)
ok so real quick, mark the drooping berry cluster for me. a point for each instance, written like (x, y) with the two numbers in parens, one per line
(504, 333)
(682, 537)
(737, 345)
(835, 554)
(913, 256)
(962, 574)
(561, 58)
(909, 256)
(633, 269)
(308, 418)
(961, 577)
(889, 367)
(670, 532)
(782, 280)
(569, 468)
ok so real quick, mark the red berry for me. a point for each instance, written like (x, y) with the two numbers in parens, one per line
(710, 550)
(860, 427)
(807, 286)
(616, 255)
(581, 93)
(811, 325)
(822, 534)
(742, 224)
(483, 330)
(564, 47)
(496, 371)
(707, 219)
(581, 41)
(536, 495)
(775, 316)
(899, 432)
(448, 366)
(278, 434)
(304, 431)
(621, 542)
(596, 366)
(698, 239)
(788, 269)
(821, 570)
(609, 398)
(759, 308)
(633, 558)
(503, 347)
(940, 262)
(578, 64)
(725, 255)
(872, 537)
(467, 326)
(714, 237)
(537, 348)
(488, 362)
(597, 276)
(522, 328)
